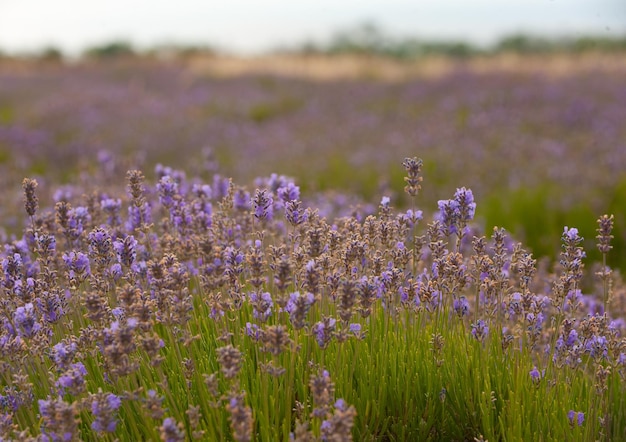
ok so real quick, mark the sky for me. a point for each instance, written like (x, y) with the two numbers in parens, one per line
(249, 27)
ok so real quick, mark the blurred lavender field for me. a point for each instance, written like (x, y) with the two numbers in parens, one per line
(540, 149)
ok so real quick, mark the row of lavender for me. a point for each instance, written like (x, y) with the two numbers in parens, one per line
(176, 309)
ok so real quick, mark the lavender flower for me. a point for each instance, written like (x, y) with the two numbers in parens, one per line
(62, 354)
(112, 208)
(413, 167)
(78, 217)
(31, 202)
(294, 212)
(356, 330)
(78, 265)
(262, 205)
(241, 200)
(289, 192)
(73, 379)
(461, 306)
(254, 331)
(262, 305)
(605, 226)
(467, 206)
(25, 321)
(59, 420)
(411, 217)
(168, 189)
(535, 375)
(323, 331)
(104, 407)
(480, 330)
(126, 250)
(46, 244)
(576, 417)
(298, 306)
(241, 421)
(138, 216)
(220, 186)
(171, 431)
(456, 213)
(202, 191)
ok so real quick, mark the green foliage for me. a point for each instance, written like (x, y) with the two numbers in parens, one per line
(7, 114)
(263, 112)
(369, 39)
(535, 217)
(362, 180)
(114, 49)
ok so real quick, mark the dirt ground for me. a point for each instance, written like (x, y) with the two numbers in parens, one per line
(351, 66)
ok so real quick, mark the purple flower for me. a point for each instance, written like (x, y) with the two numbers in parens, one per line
(340, 404)
(58, 418)
(577, 417)
(116, 271)
(78, 264)
(62, 354)
(202, 191)
(355, 328)
(448, 215)
(461, 306)
(241, 200)
(455, 213)
(535, 375)
(126, 250)
(220, 186)
(597, 346)
(467, 207)
(45, 243)
(112, 208)
(168, 189)
(298, 306)
(290, 192)
(77, 218)
(323, 331)
(411, 217)
(138, 216)
(73, 379)
(261, 305)
(571, 234)
(262, 204)
(253, 331)
(24, 320)
(294, 212)
(170, 432)
(572, 338)
(480, 330)
(12, 267)
(104, 407)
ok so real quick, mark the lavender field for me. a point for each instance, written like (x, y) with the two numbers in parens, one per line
(261, 257)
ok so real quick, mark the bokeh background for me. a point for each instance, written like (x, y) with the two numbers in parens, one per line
(522, 101)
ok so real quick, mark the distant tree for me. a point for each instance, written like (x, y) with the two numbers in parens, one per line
(366, 38)
(114, 49)
(51, 54)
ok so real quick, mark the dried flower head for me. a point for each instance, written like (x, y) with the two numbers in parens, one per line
(605, 226)
(413, 167)
(31, 202)
(241, 421)
(230, 361)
